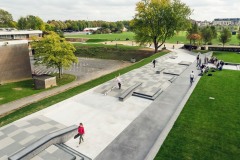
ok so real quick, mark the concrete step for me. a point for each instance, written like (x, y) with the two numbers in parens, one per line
(78, 155)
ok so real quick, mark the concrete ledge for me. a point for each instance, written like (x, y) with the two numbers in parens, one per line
(231, 63)
(186, 63)
(172, 79)
(158, 70)
(128, 91)
(109, 89)
(35, 148)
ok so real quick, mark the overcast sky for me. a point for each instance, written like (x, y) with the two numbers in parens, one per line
(111, 10)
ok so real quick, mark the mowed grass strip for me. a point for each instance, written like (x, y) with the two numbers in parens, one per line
(180, 37)
(228, 56)
(72, 92)
(107, 37)
(207, 128)
(13, 91)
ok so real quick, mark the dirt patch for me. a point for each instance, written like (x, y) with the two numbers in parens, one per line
(17, 89)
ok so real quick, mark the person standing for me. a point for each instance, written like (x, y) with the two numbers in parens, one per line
(191, 77)
(81, 132)
(197, 60)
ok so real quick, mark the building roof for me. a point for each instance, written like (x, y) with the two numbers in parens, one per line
(19, 32)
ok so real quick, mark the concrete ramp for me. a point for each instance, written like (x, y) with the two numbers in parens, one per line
(151, 95)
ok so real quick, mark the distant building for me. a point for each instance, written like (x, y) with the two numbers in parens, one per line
(226, 21)
(19, 34)
(14, 61)
(91, 29)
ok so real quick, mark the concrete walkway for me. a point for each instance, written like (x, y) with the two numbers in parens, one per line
(144, 136)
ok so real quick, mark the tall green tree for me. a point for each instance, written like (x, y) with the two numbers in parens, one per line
(238, 36)
(225, 36)
(31, 22)
(6, 19)
(54, 51)
(158, 20)
(207, 34)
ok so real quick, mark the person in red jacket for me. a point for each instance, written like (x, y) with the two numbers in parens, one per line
(81, 132)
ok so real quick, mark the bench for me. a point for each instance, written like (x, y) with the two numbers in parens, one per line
(128, 91)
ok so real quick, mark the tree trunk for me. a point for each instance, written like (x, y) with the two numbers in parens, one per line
(155, 45)
(59, 72)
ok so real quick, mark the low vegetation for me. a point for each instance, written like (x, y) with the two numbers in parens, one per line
(208, 127)
(116, 52)
(13, 91)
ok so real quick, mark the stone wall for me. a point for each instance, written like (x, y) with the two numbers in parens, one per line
(14, 63)
(44, 81)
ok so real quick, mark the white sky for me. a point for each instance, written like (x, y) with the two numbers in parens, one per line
(111, 10)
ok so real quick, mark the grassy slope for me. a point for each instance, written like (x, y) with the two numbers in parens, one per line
(228, 56)
(13, 91)
(119, 52)
(69, 93)
(208, 129)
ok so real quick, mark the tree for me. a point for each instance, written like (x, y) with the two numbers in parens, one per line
(225, 36)
(31, 22)
(22, 23)
(214, 31)
(207, 34)
(157, 20)
(238, 36)
(195, 37)
(6, 19)
(54, 51)
(192, 32)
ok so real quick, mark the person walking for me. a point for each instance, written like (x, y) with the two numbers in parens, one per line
(119, 82)
(81, 132)
(191, 77)
(154, 63)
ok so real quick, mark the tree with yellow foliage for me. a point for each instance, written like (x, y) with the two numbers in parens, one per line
(54, 51)
(158, 20)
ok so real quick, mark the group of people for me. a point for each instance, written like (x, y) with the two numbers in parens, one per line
(218, 63)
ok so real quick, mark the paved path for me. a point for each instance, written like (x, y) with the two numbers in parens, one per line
(138, 140)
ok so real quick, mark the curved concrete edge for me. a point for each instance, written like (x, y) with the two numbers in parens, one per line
(38, 146)
(156, 147)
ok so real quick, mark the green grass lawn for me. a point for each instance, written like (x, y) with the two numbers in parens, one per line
(108, 37)
(228, 56)
(71, 92)
(180, 37)
(116, 52)
(207, 129)
(13, 91)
